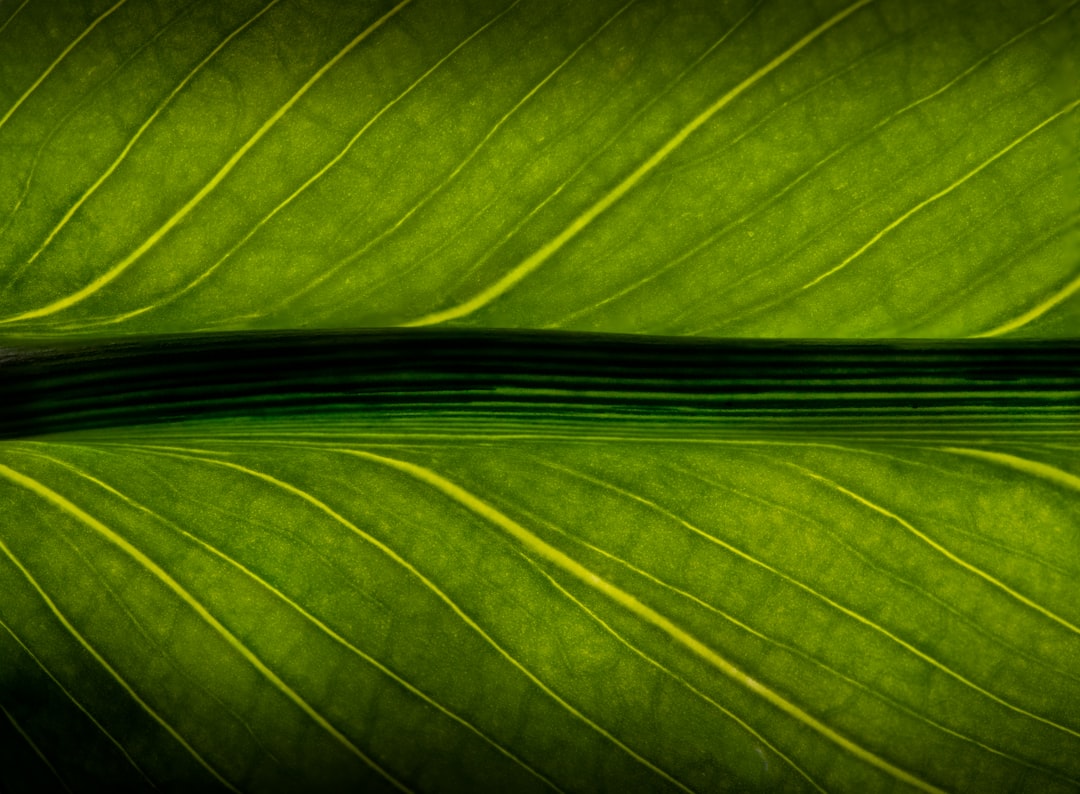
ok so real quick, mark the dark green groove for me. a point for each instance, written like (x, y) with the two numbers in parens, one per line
(490, 379)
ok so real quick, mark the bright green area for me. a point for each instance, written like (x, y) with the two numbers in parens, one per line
(315, 608)
(525, 614)
(881, 168)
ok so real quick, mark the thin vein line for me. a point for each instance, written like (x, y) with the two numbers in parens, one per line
(148, 639)
(5, 471)
(179, 215)
(713, 237)
(78, 705)
(129, 146)
(457, 170)
(307, 615)
(87, 99)
(937, 546)
(412, 570)
(541, 548)
(76, 512)
(56, 62)
(544, 253)
(836, 605)
(866, 559)
(37, 750)
(802, 654)
(940, 194)
(671, 673)
(308, 183)
(15, 14)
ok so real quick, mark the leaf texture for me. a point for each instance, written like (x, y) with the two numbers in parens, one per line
(536, 614)
(881, 168)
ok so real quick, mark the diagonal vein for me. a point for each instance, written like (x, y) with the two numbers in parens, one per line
(14, 14)
(1035, 312)
(117, 269)
(672, 674)
(308, 183)
(941, 194)
(539, 257)
(52, 66)
(413, 571)
(1042, 470)
(4, 471)
(560, 559)
(836, 605)
(78, 513)
(67, 216)
(715, 236)
(78, 705)
(33, 746)
(967, 620)
(426, 198)
(323, 627)
(929, 541)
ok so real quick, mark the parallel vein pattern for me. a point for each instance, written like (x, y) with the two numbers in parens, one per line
(876, 168)
(669, 615)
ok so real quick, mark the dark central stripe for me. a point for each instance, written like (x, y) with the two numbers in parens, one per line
(548, 375)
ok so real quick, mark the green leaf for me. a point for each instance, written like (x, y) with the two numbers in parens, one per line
(522, 614)
(866, 169)
(442, 560)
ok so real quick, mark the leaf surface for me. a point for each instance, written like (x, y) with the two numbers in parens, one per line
(871, 169)
(530, 614)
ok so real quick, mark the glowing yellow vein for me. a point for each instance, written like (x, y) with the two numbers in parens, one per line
(76, 512)
(413, 571)
(325, 629)
(541, 548)
(74, 700)
(939, 548)
(942, 193)
(548, 250)
(1034, 313)
(67, 216)
(834, 604)
(1041, 470)
(179, 215)
(5, 471)
(59, 58)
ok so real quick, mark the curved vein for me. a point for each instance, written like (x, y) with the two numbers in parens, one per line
(91, 96)
(13, 15)
(82, 516)
(323, 627)
(560, 559)
(78, 705)
(308, 183)
(1041, 470)
(713, 237)
(836, 605)
(4, 471)
(795, 650)
(67, 216)
(457, 170)
(1038, 311)
(938, 547)
(33, 746)
(52, 66)
(866, 560)
(941, 194)
(539, 257)
(672, 674)
(117, 269)
(457, 610)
